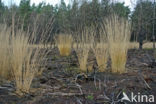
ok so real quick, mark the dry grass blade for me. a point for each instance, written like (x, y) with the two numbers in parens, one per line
(101, 49)
(101, 54)
(118, 32)
(83, 45)
(26, 60)
(21, 62)
(4, 51)
(64, 43)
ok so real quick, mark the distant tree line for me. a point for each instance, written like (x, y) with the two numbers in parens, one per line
(69, 17)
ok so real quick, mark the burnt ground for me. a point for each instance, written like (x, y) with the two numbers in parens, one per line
(62, 83)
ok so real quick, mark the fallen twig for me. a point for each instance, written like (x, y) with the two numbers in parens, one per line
(95, 82)
(145, 81)
(64, 94)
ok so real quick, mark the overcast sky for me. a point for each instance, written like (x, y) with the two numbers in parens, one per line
(54, 2)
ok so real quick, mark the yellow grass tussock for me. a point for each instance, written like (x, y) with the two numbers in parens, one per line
(101, 49)
(64, 44)
(101, 54)
(18, 56)
(83, 45)
(4, 51)
(118, 32)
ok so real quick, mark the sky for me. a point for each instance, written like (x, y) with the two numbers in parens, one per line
(54, 2)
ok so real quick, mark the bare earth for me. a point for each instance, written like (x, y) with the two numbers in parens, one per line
(62, 83)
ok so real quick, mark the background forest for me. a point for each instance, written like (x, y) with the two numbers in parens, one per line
(82, 12)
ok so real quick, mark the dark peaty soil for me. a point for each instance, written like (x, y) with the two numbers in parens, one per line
(62, 83)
